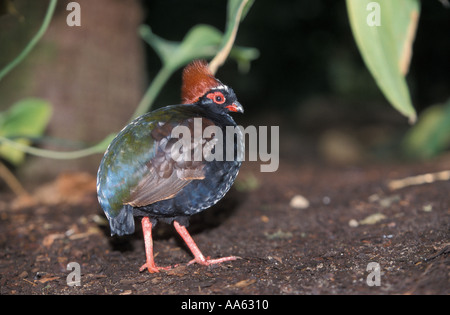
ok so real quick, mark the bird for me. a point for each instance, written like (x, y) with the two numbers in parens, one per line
(146, 173)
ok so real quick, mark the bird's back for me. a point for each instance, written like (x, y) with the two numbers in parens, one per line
(137, 175)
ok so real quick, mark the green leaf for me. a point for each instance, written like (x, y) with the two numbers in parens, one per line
(201, 41)
(24, 120)
(387, 48)
(431, 135)
(233, 8)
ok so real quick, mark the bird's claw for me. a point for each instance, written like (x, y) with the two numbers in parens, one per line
(207, 261)
(153, 268)
(199, 260)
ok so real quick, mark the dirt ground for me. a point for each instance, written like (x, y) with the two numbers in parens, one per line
(321, 245)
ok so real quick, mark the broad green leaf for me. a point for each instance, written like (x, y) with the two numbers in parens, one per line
(431, 135)
(201, 41)
(386, 48)
(233, 8)
(236, 12)
(24, 120)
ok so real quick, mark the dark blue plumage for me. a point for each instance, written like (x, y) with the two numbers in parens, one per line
(125, 162)
(141, 176)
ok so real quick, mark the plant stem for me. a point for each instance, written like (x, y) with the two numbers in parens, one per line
(53, 154)
(12, 181)
(222, 55)
(33, 41)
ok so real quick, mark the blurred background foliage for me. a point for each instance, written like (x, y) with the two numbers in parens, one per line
(309, 77)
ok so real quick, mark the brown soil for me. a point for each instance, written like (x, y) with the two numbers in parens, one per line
(353, 218)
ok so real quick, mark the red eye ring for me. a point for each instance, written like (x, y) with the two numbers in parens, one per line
(217, 97)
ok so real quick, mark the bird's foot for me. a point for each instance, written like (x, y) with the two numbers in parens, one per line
(199, 258)
(207, 261)
(152, 268)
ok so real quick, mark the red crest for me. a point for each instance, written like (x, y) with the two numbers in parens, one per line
(197, 80)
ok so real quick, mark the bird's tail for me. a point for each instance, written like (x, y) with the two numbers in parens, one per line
(123, 223)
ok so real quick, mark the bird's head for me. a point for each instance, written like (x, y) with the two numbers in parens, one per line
(201, 87)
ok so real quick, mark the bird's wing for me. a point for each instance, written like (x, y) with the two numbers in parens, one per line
(167, 172)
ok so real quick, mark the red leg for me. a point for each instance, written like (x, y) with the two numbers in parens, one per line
(199, 258)
(150, 264)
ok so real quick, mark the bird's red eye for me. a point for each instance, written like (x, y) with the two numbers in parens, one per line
(217, 97)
